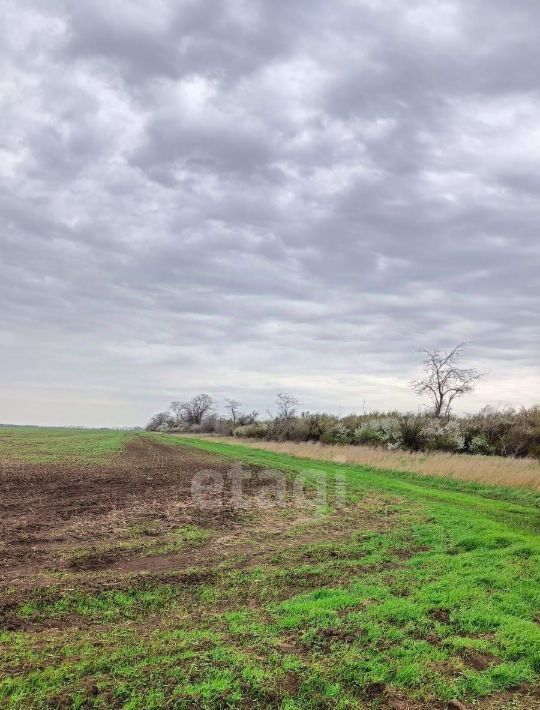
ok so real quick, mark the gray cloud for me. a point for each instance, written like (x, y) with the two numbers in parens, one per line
(246, 197)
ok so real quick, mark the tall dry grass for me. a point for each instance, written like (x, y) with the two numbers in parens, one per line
(496, 470)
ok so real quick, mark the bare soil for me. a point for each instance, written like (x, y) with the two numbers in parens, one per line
(50, 511)
(65, 524)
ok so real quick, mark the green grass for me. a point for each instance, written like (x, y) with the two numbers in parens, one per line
(54, 445)
(478, 496)
(441, 602)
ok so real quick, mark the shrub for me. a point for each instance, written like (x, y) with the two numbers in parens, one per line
(207, 425)
(479, 445)
(379, 432)
(224, 427)
(411, 430)
(292, 429)
(337, 433)
(440, 435)
(320, 427)
(508, 432)
(162, 421)
(257, 430)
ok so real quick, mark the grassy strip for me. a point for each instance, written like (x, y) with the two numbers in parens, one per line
(522, 505)
(490, 470)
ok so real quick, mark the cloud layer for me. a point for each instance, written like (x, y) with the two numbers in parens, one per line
(247, 197)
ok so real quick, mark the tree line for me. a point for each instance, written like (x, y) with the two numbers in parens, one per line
(506, 432)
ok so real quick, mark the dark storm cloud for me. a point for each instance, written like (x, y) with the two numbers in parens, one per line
(249, 197)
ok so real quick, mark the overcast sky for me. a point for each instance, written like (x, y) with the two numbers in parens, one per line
(248, 197)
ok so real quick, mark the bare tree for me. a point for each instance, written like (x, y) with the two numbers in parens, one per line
(233, 407)
(286, 406)
(247, 418)
(177, 409)
(193, 411)
(160, 421)
(444, 381)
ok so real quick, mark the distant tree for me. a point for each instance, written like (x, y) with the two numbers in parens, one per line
(245, 418)
(193, 411)
(286, 406)
(160, 421)
(177, 409)
(233, 407)
(444, 381)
